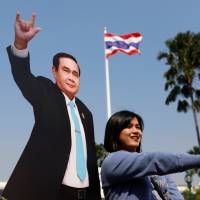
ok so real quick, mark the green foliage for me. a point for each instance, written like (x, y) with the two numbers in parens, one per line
(182, 106)
(195, 151)
(101, 153)
(190, 194)
(183, 75)
(194, 196)
(197, 194)
(183, 59)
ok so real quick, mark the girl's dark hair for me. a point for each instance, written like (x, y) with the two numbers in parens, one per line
(56, 60)
(115, 125)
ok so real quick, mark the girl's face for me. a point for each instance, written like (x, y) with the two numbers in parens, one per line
(131, 136)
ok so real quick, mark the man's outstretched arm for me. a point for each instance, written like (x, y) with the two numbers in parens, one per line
(19, 59)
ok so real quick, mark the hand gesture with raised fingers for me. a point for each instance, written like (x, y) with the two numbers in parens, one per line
(24, 31)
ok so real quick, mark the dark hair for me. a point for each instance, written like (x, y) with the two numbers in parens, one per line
(56, 60)
(115, 125)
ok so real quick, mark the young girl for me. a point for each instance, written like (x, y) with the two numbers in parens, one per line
(129, 174)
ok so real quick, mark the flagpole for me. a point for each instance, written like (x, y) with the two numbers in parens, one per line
(108, 98)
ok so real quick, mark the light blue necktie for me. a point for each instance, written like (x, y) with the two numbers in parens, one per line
(80, 158)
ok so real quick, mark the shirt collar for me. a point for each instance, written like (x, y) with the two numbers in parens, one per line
(67, 99)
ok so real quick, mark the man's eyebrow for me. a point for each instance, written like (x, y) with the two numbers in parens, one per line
(65, 67)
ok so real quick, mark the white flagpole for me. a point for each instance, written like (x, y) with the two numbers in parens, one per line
(108, 98)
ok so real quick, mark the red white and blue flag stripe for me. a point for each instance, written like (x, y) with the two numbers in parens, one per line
(128, 43)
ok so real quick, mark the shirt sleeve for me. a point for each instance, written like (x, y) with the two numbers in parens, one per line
(20, 53)
(124, 166)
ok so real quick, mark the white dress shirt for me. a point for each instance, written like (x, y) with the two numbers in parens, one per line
(70, 178)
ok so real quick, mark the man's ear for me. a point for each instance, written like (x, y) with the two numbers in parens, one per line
(53, 69)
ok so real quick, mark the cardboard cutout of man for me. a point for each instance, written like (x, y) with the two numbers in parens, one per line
(47, 169)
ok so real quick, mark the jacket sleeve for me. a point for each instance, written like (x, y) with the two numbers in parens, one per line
(124, 166)
(28, 84)
(174, 193)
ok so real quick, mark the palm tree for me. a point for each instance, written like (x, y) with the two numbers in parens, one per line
(195, 150)
(183, 75)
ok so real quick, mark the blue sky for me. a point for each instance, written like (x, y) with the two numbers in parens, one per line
(136, 81)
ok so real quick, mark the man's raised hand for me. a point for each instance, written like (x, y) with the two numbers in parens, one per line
(24, 31)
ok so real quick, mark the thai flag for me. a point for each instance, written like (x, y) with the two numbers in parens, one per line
(128, 44)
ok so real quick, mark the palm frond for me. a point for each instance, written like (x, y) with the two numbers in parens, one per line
(182, 106)
(173, 95)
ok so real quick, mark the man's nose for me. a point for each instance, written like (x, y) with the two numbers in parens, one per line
(71, 77)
